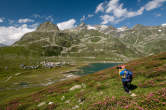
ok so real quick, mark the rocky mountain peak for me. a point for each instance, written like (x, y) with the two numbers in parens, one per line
(111, 28)
(138, 26)
(163, 25)
(47, 27)
(82, 25)
(123, 28)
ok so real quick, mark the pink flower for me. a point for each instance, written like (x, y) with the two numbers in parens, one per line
(140, 108)
(126, 107)
(113, 97)
(163, 103)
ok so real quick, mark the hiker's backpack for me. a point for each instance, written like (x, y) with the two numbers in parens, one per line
(129, 75)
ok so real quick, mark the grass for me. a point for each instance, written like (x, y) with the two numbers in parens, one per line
(8, 95)
(11, 84)
(103, 90)
(34, 78)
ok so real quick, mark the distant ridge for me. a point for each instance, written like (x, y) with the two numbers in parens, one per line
(117, 44)
(2, 45)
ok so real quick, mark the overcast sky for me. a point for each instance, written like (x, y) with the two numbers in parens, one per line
(18, 17)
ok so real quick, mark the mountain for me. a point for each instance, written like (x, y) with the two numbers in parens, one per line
(99, 41)
(102, 90)
(163, 25)
(84, 44)
(47, 27)
(146, 39)
(2, 45)
(81, 27)
(123, 28)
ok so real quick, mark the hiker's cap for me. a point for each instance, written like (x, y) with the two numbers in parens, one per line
(123, 66)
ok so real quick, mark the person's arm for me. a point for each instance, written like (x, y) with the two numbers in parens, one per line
(121, 73)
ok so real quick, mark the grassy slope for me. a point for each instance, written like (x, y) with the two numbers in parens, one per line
(104, 90)
(12, 57)
(10, 82)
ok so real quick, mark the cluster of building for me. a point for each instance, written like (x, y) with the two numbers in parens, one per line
(29, 67)
(45, 64)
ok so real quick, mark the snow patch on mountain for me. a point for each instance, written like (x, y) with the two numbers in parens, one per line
(163, 25)
(89, 27)
(124, 28)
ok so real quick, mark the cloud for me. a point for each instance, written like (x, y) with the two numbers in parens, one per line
(37, 16)
(43, 17)
(11, 21)
(49, 18)
(83, 18)
(112, 5)
(9, 35)
(86, 17)
(114, 11)
(34, 25)
(154, 4)
(100, 8)
(107, 18)
(117, 12)
(158, 15)
(90, 15)
(138, 0)
(26, 20)
(67, 24)
(1, 20)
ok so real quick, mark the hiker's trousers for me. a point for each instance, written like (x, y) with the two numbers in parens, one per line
(126, 85)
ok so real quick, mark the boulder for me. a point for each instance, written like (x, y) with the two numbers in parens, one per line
(75, 87)
(50, 103)
(41, 104)
(63, 98)
(75, 107)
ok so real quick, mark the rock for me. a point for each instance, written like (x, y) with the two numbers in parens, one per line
(83, 85)
(48, 83)
(47, 27)
(75, 107)
(67, 101)
(159, 30)
(50, 103)
(81, 100)
(41, 104)
(133, 95)
(75, 87)
(101, 93)
(71, 76)
(6, 67)
(81, 103)
(8, 78)
(17, 74)
(63, 98)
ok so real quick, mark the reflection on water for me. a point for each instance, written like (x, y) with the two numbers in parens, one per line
(95, 67)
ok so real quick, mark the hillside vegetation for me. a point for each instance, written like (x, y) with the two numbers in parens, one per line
(104, 43)
(81, 45)
(103, 90)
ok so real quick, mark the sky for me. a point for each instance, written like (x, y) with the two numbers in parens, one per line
(18, 17)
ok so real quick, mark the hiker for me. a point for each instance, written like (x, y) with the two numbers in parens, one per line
(126, 76)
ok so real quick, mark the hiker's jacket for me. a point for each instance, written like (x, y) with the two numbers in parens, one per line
(125, 74)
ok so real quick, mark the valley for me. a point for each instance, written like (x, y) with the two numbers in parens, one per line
(54, 69)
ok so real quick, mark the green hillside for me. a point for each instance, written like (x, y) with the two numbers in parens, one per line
(146, 39)
(110, 43)
(103, 90)
(78, 47)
